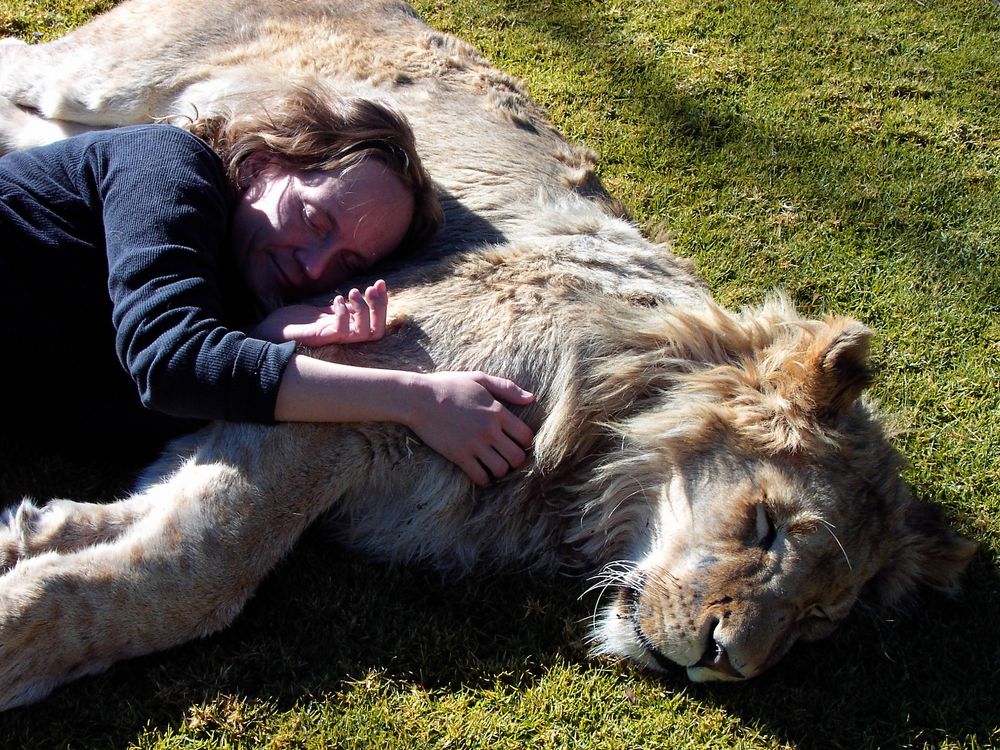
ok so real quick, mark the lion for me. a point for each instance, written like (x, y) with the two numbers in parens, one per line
(720, 477)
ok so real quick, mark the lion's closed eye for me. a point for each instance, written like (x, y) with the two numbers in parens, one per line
(766, 531)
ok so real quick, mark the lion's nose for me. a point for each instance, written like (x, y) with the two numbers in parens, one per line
(716, 659)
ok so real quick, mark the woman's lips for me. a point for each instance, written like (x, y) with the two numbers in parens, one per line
(283, 279)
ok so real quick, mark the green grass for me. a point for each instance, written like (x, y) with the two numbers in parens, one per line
(848, 153)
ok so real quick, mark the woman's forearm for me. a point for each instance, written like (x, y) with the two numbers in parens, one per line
(313, 390)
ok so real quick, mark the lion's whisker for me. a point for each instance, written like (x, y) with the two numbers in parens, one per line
(615, 573)
(830, 527)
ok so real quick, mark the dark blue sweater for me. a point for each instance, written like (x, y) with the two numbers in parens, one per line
(129, 227)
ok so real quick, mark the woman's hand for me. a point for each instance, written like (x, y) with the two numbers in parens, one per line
(460, 415)
(361, 317)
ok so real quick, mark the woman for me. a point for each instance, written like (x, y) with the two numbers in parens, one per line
(162, 248)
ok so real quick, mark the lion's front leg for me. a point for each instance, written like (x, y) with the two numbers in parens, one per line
(63, 616)
(27, 530)
(183, 569)
(58, 621)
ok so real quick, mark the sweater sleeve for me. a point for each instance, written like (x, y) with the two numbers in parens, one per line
(166, 214)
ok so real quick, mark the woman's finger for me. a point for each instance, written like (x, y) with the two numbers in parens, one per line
(506, 390)
(494, 463)
(360, 313)
(518, 431)
(512, 453)
(378, 300)
(475, 471)
(342, 317)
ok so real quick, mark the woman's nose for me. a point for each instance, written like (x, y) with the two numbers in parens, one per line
(315, 257)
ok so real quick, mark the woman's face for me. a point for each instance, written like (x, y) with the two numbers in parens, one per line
(297, 233)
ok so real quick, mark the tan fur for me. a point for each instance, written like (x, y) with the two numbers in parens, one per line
(720, 473)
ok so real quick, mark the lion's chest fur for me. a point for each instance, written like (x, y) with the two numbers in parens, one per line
(524, 312)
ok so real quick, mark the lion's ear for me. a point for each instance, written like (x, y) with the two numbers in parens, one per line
(833, 370)
(924, 552)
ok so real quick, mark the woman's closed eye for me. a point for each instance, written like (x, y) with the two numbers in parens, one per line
(315, 220)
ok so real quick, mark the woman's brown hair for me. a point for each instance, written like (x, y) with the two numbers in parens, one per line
(313, 129)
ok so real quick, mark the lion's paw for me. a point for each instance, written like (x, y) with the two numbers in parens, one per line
(16, 526)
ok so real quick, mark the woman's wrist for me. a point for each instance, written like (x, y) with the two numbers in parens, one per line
(400, 394)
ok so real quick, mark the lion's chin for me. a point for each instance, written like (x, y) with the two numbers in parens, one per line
(698, 673)
(715, 666)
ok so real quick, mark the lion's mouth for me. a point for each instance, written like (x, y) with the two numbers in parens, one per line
(714, 658)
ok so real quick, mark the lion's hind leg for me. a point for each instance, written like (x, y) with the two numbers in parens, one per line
(22, 128)
(28, 114)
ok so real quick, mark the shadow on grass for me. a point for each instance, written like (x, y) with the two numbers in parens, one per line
(925, 677)
(325, 620)
(319, 624)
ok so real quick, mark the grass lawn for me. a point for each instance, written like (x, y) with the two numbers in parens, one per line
(848, 153)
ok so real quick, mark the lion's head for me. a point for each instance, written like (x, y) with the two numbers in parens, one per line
(758, 493)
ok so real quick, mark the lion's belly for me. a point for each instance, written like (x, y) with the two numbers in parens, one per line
(434, 520)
